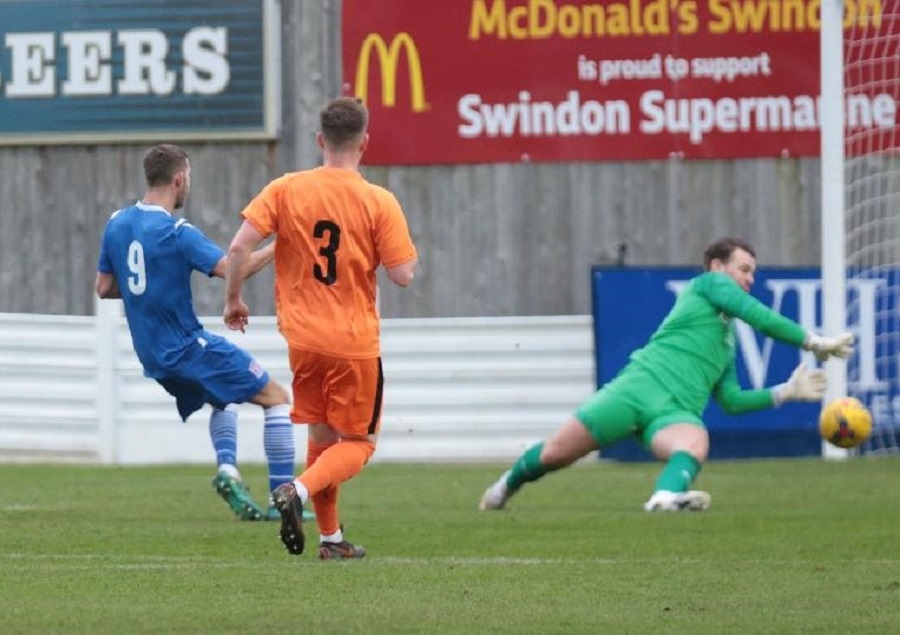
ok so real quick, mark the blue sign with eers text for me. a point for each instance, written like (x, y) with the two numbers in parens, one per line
(116, 70)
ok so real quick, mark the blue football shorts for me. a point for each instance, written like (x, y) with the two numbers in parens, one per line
(217, 372)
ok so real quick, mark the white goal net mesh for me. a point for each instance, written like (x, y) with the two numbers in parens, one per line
(872, 173)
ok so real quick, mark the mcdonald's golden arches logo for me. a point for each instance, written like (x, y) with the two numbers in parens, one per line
(388, 61)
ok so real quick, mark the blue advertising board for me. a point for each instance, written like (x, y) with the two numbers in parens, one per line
(78, 71)
(628, 305)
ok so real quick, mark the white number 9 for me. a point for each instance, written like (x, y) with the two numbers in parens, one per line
(137, 283)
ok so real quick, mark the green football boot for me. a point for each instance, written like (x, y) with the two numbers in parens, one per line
(235, 493)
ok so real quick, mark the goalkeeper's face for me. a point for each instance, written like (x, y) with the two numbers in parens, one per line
(741, 266)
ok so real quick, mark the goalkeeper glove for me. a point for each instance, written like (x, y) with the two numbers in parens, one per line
(840, 346)
(803, 385)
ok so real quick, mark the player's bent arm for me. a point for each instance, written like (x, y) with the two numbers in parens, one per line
(803, 385)
(734, 400)
(402, 275)
(725, 294)
(221, 268)
(238, 265)
(260, 258)
(106, 286)
(256, 262)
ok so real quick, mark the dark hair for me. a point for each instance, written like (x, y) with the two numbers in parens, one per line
(723, 248)
(343, 121)
(162, 163)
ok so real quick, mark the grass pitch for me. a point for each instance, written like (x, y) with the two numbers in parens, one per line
(789, 547)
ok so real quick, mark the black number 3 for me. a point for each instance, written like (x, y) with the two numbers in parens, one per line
(329, 251)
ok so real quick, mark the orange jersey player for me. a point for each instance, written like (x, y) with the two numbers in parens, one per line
(334, 230)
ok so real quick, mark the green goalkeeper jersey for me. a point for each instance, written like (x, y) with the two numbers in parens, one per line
(692, 353)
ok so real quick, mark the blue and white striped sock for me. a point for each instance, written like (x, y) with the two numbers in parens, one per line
(278, 439)
(223, 434)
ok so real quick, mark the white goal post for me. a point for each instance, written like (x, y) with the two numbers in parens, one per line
(834, 307)
(860, 170)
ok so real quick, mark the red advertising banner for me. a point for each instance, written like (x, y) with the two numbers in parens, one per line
(475, 81)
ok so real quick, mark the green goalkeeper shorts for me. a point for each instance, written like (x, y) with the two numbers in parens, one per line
(632, 404)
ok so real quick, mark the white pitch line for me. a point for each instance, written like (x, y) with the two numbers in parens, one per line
(491, 561)
(18, 507)
(151, 562)
(162, 562)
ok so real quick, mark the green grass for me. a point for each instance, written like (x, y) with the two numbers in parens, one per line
(788, 547)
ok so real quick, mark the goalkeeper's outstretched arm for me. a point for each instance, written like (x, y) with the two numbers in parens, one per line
(724, 293)
(803, 385)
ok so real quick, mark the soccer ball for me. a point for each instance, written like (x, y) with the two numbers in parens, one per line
(845, 422)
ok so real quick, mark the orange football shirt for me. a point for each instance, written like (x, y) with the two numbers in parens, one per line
(334, 229)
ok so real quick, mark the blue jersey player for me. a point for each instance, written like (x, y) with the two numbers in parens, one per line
(147, 257)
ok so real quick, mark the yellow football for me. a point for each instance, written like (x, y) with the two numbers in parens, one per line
(845, 422)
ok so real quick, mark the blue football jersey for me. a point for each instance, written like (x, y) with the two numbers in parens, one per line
(152, 255)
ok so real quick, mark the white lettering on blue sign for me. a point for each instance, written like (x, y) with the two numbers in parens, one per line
(204, 68)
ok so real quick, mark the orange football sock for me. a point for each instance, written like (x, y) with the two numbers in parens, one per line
(313, 450)
(337, 464)
(325, 502)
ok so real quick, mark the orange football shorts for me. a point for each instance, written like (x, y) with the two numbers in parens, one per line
(344, 393)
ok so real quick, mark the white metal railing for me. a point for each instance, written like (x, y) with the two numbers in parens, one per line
(456, 389)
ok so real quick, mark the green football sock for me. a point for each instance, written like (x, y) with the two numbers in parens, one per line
(528, 468)
(679, 473)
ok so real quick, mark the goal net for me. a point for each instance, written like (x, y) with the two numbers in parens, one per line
(872, 217)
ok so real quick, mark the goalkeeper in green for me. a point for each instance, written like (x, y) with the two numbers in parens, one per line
(660, 394)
